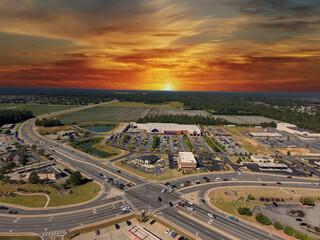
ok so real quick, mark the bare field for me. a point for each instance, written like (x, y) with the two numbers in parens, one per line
(295, 151)
(245, 119)
(119, 114)
(253, 147)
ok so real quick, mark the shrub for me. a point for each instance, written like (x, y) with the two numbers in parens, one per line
(33, 178)
(277, 199)
(300, 213)
(262, 199)
(264, 220)
(277, 225)
(251, 197)
(289, 231)
(244, 211)
(307, 201)
(267, 199)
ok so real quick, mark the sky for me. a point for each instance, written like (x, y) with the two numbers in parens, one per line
(180, 45)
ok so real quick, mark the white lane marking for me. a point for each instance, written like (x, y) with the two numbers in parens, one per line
(94, 211)
(16, 220)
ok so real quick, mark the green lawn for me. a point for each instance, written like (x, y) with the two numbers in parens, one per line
(20, 238)
(37, 109)
(80, 194)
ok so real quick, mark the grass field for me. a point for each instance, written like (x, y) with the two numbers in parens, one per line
(80, 194)
(124, 112)
(144, 105)
(240, 119)
(20, 238)
(37, 109)
(227, 204)
(165, 176)
(253, 147)
(53, 130)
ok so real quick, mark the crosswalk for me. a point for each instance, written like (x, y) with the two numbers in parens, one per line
(136, 186)
(154, 211)
(59, 232)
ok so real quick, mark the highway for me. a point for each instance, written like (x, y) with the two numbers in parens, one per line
(143, 196)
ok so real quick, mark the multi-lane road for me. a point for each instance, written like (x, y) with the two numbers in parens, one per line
(143, 196)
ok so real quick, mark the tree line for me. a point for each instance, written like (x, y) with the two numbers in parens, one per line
(14, 116)
(48, 122)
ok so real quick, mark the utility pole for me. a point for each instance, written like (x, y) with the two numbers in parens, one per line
(245, 196)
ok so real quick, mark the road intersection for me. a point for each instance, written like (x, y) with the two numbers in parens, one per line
(144, 196)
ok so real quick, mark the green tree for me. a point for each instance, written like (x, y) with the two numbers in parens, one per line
(244, 211)
(289, 231)
(288, 153)
(277, 225)
(264, 220)
(23, 161)
(33, 147)
(251, 197)
(33, 178)
(75, 178)
(10, 165)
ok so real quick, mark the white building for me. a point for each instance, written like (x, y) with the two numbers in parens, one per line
(293, 129)
(165, 128)
(187, 160)
(262, 159)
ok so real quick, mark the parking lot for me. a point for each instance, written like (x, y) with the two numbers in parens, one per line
(166, 143)
(231, 146)
(281, 214)
(255, 168)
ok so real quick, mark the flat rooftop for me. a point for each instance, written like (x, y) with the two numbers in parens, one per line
(142, 233)
(187, 157)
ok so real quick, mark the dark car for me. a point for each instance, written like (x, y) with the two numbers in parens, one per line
(204, 177)
(152, 222)
(225, 179)
(263, 184)
(12, 212)
(117, 226)
(303, 224)
(181, 238)
(299, 219)
(118, 171)
(167, 184)
(207, 180)
(171, 204)
(3, 208)
(97, 232)
(128, 223)
(279, 183)
(275, 204)
(159, 199)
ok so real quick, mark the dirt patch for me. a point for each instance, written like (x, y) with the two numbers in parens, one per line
(63, 193)
(295, 151)
(254, 143)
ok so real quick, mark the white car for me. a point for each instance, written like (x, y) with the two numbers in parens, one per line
(211, 215)
(190, 203)
(164, 190)
(190, 209)
(168, 231)
(171, 190)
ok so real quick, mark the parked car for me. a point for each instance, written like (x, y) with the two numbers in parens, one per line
(117, 226)
(163, 190)
(168, 231)
(97, 232)
(128, 223)
(279, 183)
(159, 199)
(181, 238)
(152, 222)
(171, 190)
(275, 204)
(190, 209)
(171, 204)
(181, 204)
(299, 219)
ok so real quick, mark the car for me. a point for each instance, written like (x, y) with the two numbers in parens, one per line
(168, 231)
(190, 203)
(181, 238)
(289, 176)
(12, 212)
(211, 215)
(275, 204)
(159, 199)
(128, 185)
(173, 234)
(171, 190)
(152, 222)
(163, 190)
(225, 179)
(97, 232)
(204, 177)
(197, 181)
(128, 223)
(167, 184)
(303, 224)
(3, 208)
(117, 226)
(101, 176)
(234, 218)
(118, 171)
(181, 204)
(171, 204)
(131, 184)
(279, 183)
(263, 184)
(190, 209)
(207, 180)
(299, 219)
